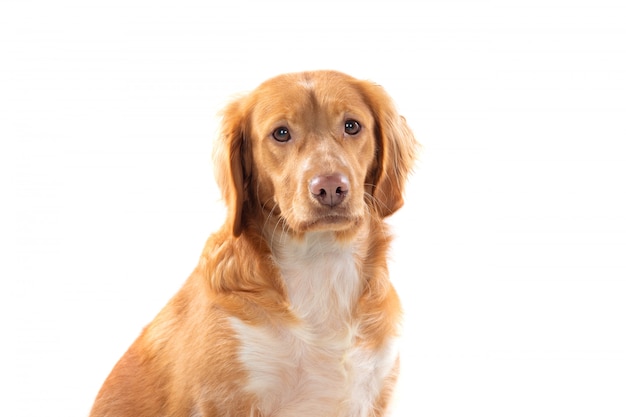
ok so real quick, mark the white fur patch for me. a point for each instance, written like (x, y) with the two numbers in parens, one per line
(314, 368)
(322, 279)
(309, 84)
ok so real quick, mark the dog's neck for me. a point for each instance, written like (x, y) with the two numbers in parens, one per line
(322, 276)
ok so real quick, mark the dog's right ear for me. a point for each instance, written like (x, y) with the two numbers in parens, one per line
(232, 162)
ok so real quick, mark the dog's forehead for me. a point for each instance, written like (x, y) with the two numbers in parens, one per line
(292, 95)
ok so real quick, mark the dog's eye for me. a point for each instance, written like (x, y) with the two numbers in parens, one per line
(281, 134)
(352, 127)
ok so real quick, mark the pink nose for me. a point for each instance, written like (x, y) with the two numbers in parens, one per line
(330, 190)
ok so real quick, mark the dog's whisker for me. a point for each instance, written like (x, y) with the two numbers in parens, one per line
(378, 202)
(276, 224)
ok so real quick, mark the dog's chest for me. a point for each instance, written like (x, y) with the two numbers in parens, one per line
(315, 367)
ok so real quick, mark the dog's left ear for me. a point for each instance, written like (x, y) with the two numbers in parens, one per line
(396, 151)
(232, 163)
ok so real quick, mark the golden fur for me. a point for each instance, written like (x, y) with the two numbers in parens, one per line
(205, 353)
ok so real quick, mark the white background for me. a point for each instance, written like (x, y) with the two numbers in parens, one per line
(510, 254)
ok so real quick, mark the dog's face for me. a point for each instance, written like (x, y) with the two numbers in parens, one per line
(313, 143)
(317, 150)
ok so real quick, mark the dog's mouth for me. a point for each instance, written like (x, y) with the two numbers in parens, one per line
(302, 217)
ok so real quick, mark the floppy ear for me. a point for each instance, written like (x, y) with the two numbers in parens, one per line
(396, 151)
(232, 163)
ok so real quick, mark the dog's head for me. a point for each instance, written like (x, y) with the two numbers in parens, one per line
(317, 150)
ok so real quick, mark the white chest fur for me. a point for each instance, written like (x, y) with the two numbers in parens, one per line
(315, 368)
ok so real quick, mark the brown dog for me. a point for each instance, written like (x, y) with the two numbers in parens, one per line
(290, 311)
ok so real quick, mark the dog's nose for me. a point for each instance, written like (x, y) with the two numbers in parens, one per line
(329, 190)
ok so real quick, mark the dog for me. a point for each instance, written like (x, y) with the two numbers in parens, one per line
(290, 310)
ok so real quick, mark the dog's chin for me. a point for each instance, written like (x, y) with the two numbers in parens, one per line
(340, 221)
(335, 223)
